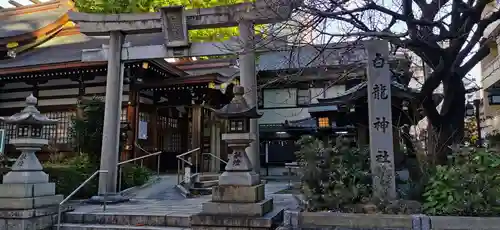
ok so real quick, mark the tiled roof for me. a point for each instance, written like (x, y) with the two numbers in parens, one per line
(69, 48)
(25, 23)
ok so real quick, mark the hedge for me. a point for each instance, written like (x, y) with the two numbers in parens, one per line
(69, 177)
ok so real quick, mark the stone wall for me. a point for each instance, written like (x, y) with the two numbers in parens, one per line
(294, 220)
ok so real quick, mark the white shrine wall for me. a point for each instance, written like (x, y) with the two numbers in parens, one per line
(281, 104)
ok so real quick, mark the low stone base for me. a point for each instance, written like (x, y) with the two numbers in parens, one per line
(35, 223)
(29, 202)
(109, 199)
(32, 219)
(204, 221)
(237, 209)
(238, 194)
(25, 177)
(243, 178)
(27, 190)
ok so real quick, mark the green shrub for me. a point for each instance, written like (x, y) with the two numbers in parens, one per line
(469, 185)
(68, 178)
(70, 173)
(333, 177)
(74, 171)
(135, 175)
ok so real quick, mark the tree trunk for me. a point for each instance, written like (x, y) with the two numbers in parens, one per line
(450, 127)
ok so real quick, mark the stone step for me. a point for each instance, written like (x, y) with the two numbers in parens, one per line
(206, 184)
(113, 227)
(200, 191)
(132, 219)
(207, 177)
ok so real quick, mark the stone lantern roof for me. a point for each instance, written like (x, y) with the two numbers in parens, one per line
(29, 115)
(238, 107)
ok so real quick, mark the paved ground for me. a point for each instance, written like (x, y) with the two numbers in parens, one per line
(162, 198)
(162, 190)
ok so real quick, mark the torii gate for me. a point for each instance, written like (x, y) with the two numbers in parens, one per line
(174, 22)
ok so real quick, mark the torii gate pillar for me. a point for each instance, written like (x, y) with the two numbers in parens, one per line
(248, 80)
(111, 127)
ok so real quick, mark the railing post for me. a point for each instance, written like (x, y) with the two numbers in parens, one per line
(158, 164)
(119, 178)
(105, 195)
(196, 160)
(178, 170)
(59, 218)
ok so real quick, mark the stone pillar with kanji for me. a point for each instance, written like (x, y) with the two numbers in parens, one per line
(240, 193)
(380, 120)
(27, 198)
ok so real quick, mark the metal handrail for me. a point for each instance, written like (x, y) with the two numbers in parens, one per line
(120, 172)
(181, 167)
(139, 158)
(188, 152)
(78, 189)
(216, 157)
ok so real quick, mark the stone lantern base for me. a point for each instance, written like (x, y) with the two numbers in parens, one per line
(238, 207)
(28, 201)
(28, 206)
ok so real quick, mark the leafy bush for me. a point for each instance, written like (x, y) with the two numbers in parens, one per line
(333, 177)
(68, 178)
(135, 175)
(73, 171)
(469, 185)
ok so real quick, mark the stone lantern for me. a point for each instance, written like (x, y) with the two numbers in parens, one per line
(239, 170)
(27, 199)
(240, 193)
(28, 125)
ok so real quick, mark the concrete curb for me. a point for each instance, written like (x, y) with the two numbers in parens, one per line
(294, 220)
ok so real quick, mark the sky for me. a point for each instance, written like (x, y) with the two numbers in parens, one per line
(475, 72)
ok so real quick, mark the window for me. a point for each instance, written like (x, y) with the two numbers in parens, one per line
(9, 131)
(169, 136)
(303, 97)
(236, 126)
(323, 122)
(58, 133)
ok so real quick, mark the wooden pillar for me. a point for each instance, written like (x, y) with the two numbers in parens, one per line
(154, 127)
(132, 119)
(196, 132)
(81, 95)
(184, 130)
(215, 147)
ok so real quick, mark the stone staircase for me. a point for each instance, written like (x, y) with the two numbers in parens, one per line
(202, 184)
(123, 221)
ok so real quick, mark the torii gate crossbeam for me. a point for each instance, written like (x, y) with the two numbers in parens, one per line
(174, 23)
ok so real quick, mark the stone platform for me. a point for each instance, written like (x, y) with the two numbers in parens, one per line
(270, 220)
(162, 212)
